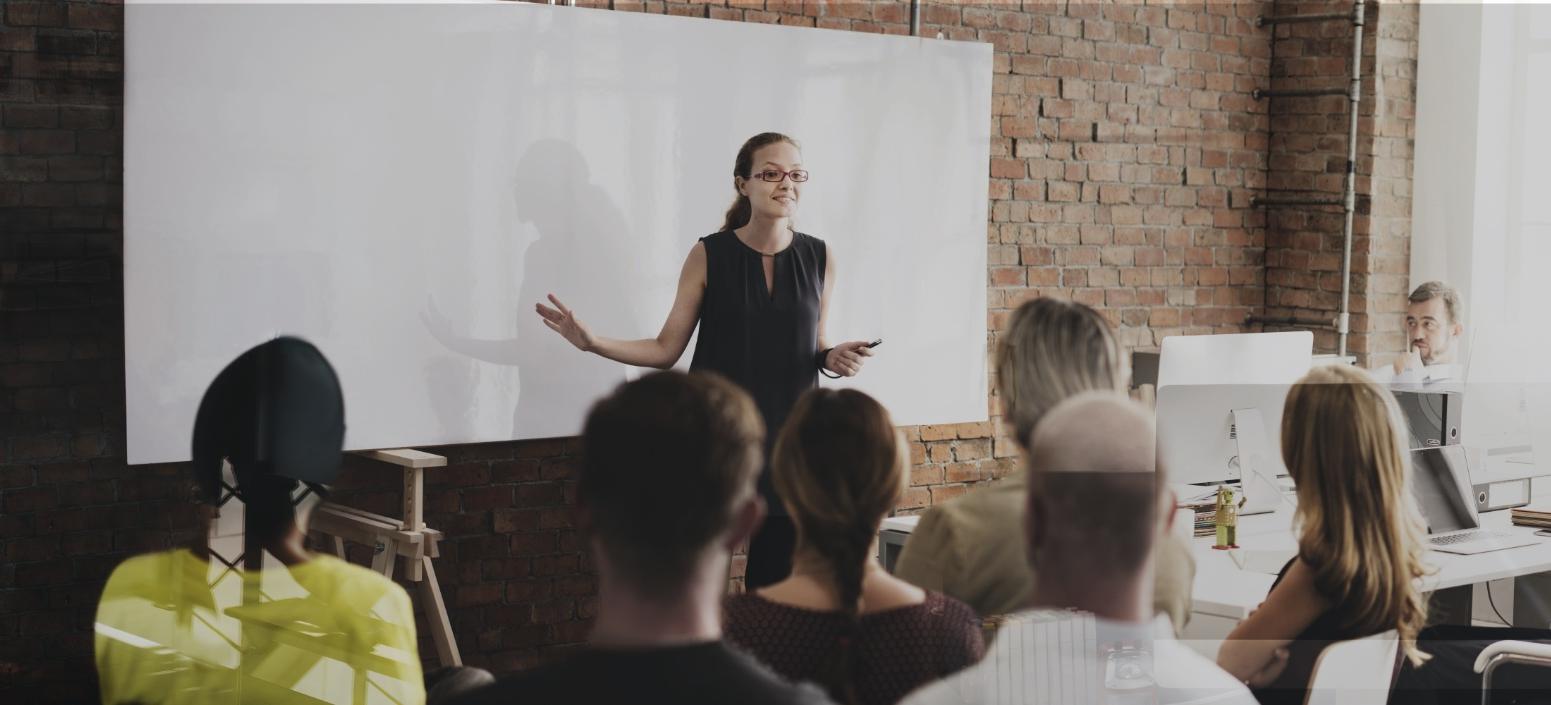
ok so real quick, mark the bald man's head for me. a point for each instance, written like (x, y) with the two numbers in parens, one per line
(1094, 432)
(1095, 490)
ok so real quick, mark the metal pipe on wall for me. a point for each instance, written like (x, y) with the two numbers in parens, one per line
(1344, 320)
(915, 18)
(1287, 321)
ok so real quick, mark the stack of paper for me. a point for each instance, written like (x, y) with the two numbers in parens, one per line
(1206, 516)
(1537, 515)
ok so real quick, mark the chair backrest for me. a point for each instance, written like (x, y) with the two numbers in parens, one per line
(1355, 672)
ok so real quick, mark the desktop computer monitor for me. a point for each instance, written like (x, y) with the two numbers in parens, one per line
(1198, 433)
(1208, 384)
(1237, 358)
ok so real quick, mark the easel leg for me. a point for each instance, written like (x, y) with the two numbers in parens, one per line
(414, 517)
(436, 616)
(339, 547)
(414, 499)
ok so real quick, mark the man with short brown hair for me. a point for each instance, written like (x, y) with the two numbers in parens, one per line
(665, 492)
(1433, 326)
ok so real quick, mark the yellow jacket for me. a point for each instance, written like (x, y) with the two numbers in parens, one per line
(174, 628)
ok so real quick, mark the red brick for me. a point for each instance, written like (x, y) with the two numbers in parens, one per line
(507, 521)
(576, 586)
(556, 565)
(475, 499)
(108, 18)
(555, 518)
(532, 544)
(35, 14)
(527, 591)
(526, 470)
(505, 569)
(461, 475)
(945, 493)
(926, 475)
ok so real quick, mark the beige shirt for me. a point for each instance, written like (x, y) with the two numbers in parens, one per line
(972, 549)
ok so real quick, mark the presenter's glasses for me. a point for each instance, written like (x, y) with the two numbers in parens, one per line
(776, 176)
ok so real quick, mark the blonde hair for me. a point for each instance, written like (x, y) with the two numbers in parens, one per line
(839, 463)
(1359, 528)
(1052, 350)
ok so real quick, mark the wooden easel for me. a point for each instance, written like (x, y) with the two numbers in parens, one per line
(392, 538)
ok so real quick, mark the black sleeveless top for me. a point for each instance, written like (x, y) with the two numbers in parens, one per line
(763, 340)
(1292, 686)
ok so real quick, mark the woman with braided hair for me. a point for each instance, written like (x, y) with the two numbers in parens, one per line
(839, 619)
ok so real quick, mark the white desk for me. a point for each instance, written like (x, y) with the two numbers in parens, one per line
(1224, 594)
(1222, 589)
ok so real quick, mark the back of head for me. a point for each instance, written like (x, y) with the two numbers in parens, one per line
(1359, 526)
(277, 414)
(840, 466)
(1097, 499)
(667, 459)
(1053, 349)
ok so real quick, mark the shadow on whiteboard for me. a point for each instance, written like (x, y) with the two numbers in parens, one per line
(579, 229)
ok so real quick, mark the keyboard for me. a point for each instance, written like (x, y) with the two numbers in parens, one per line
(1477, 535)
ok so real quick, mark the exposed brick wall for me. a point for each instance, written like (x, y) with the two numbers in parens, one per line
(1125, 148)
(1389, 184)
(69, 508)
(1308, 158)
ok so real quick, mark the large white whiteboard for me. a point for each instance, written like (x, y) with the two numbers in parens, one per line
(400, 184)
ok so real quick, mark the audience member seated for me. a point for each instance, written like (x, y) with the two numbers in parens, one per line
(839, 618)
(1433, 332)
(1052, 350)
(666, 491)
(281, 625)
(1096, 506)
(1360, 537)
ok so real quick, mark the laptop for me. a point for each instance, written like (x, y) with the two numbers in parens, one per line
(1441, 483)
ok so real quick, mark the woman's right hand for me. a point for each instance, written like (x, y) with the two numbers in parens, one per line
(561, 320)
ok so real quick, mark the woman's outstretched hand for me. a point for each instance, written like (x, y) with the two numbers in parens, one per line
(562, 321)
(846, 359)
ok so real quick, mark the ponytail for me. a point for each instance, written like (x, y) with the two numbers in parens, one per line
(839, 464)
(848, 559)
(738, 215)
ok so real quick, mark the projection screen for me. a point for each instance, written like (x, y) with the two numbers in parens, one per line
(399, 184)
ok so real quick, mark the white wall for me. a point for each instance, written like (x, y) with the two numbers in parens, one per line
(1481, 216)
(401, 183)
